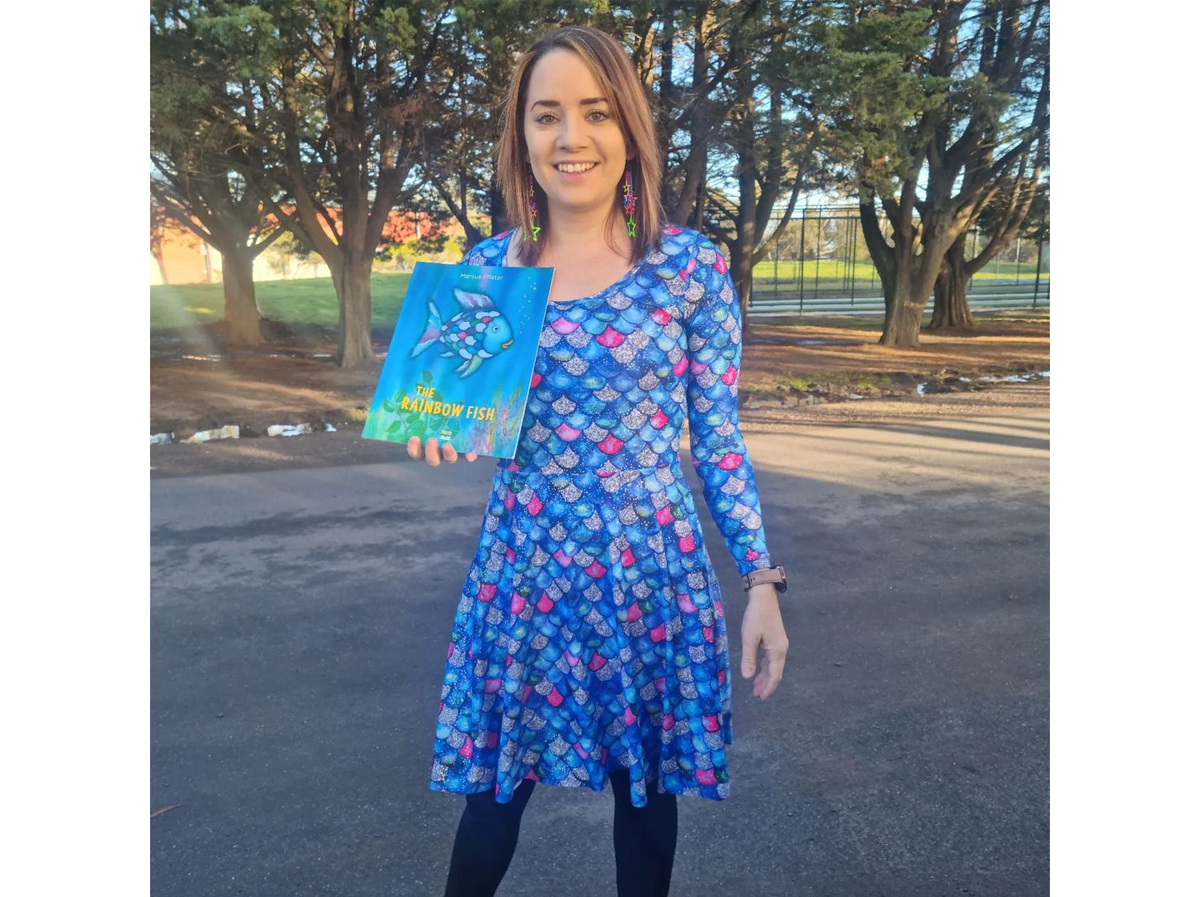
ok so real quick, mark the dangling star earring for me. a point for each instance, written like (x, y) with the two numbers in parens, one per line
(629, 201)
(533, 208)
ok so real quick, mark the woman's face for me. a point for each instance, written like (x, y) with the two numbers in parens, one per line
(566, 120)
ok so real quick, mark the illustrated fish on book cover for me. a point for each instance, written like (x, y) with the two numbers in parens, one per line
(476, 333)
(441, 378)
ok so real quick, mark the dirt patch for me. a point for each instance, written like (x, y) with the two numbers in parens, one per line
(790, 368)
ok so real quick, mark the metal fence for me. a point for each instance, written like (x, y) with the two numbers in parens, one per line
(821, 266)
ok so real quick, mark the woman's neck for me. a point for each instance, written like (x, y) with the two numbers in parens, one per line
(580, 236)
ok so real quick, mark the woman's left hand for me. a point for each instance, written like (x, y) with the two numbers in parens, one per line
(763, 625)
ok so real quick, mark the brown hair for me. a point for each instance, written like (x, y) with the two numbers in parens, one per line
(613, 71)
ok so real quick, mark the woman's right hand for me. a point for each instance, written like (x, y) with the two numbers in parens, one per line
(429, 451)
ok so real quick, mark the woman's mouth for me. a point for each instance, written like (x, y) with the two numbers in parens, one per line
(574, 171)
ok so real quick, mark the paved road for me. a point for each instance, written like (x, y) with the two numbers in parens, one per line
(300, 616)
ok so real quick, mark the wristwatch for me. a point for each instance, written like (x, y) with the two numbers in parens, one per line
(767, 574)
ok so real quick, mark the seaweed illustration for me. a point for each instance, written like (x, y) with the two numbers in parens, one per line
(415, 423)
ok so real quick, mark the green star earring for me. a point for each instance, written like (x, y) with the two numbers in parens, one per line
(533, 208)
(629, 201)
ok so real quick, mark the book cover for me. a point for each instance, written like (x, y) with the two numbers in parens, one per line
(460, 362)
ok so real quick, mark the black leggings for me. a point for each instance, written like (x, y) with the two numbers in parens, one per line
(643, 841)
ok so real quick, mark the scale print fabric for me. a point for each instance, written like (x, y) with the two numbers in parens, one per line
(590, 634)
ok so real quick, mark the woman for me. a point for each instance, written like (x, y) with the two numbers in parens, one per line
(590, 642)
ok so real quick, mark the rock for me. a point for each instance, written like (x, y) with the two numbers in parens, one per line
(227, 432)
(161, 438)
(289, 429)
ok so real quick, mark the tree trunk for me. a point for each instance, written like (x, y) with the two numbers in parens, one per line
(496, 209)
(741, 272)
(353, 284)
(950, 308)
(162, 266)
(241, 308)
(902, 320)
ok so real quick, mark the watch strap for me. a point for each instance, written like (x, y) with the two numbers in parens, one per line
(767, 574)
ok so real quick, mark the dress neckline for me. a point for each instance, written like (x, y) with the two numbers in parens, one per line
(602, 294)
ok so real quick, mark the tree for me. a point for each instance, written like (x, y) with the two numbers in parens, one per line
(334, 101)
(192, 151)
(472, 82)
(936, 105)
(768, 132)
(158, 228)
(1018, 207)
(1006, 191)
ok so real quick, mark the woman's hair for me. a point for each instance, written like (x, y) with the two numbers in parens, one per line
(613, 71)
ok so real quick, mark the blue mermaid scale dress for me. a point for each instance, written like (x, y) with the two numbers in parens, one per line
(590, 634)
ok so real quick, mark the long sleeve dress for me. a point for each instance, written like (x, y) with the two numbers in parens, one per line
(590, 634)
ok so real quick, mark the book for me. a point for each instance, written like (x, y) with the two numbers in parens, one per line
(460, 362)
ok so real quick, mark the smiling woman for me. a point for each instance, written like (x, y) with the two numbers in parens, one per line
(578, 143)
(589, 643)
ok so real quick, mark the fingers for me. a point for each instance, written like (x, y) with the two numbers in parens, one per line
(432, 455)
(750, 642)
(771, 675)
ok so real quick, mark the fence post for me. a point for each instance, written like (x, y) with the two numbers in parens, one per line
(803, 222)
(1037, 278)
(817, 275)
(776, 247)
(853, 257)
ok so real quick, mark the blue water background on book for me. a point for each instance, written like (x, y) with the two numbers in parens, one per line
(481, 411)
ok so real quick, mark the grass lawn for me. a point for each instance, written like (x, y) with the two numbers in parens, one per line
(833, 270)
(313, 300)
(309, 300)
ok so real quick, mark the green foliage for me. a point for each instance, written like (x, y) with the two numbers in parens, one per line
(404, 255)
(868, 94)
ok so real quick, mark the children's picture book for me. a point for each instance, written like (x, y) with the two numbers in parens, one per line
(461, 358)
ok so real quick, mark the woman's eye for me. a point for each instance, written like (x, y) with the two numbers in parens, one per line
(546, 118)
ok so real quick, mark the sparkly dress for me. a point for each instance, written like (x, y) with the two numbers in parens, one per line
(590, 634)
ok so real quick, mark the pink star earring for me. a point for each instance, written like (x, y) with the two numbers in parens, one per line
(533, 208)
(629, 200)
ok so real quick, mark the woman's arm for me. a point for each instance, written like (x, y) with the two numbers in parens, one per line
(714, 334)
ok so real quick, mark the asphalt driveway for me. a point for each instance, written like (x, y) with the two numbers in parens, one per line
(300, 615)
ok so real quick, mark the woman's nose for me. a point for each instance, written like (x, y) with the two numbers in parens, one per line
(569, 134)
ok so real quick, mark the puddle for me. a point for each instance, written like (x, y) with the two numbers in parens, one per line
(855, 395)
